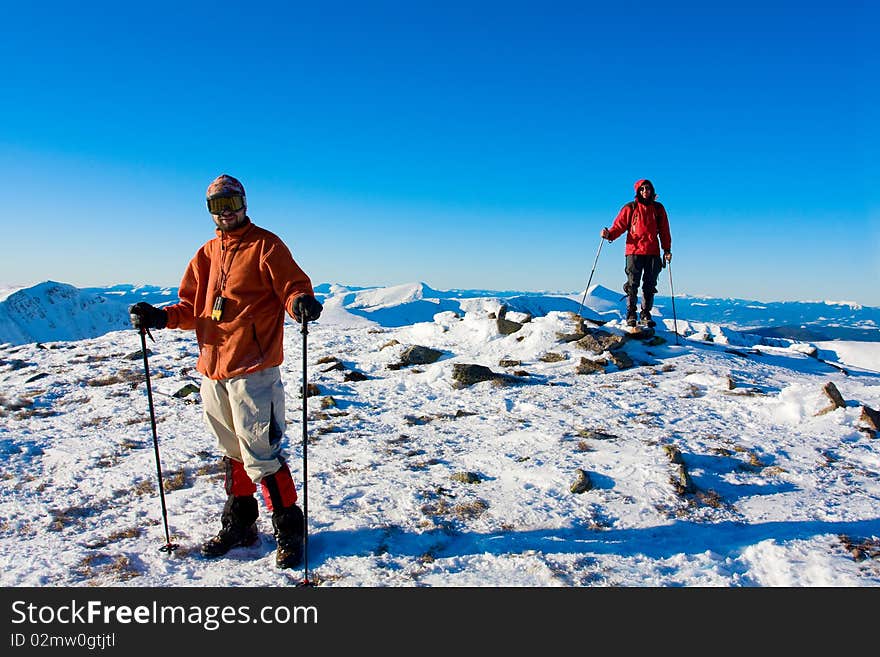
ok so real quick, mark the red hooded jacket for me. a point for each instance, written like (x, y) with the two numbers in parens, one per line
(643, 224)
(261, 282)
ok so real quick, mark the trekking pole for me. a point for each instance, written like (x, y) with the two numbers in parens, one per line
(305, 419)
(601, 242)
(672, 292)
(169, 546)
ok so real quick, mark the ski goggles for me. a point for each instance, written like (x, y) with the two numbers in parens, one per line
(221, 204)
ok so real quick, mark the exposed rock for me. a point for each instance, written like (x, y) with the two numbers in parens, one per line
(552, 357)
(569, 337)
(642, 334)
(582, 482)
(312, 390)
(506, 326)
(599, 341)
(390, 343)
(328, 402)
(354, 375)
(465, 374)
(419, 355)
(834, 395)
(596, 435)
(682, 481)
(621, 359)
(186, 390)
(466, 477)
(674, 454)
(587, 366)
(870, 418)
(861, 548)
(509, 363)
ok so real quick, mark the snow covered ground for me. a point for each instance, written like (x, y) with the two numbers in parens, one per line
(709, 458)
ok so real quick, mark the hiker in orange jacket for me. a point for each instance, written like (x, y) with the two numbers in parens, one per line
(234, 293)
(646, 226)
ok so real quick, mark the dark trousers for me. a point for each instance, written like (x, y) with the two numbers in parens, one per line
(641, 271)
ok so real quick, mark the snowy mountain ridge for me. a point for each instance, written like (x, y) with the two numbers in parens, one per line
(54, 311)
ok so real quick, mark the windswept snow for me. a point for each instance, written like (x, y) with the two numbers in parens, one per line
(416, 481)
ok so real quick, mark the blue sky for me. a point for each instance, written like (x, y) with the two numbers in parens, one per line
(466, 145)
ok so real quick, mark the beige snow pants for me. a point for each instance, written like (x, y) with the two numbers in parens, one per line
(246, 415)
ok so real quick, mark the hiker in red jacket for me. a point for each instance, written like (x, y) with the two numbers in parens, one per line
(646, 226)
(234, 294)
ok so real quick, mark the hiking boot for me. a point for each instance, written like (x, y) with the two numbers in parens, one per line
(631, 301)
(289, 529)
(289, 553)
(645, 318)
(239, 527)
(229, 537)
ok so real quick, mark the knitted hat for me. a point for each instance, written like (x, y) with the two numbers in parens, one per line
(639, 183)
(224, 185)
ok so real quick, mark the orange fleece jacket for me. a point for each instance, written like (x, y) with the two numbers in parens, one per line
(256, 274)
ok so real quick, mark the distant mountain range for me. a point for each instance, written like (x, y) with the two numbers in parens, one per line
(52, 311)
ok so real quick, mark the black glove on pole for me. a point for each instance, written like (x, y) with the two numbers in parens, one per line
(307, 308)
(143, 315)
(169, 546)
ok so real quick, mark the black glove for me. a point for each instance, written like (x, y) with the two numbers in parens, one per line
(143, 315)
(306, 308)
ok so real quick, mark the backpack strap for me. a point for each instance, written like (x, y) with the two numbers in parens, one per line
(632, 209)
